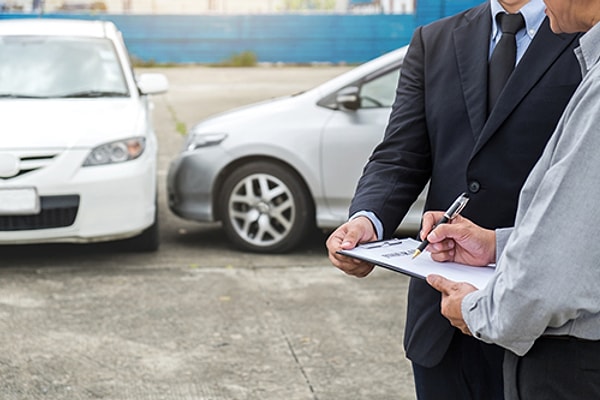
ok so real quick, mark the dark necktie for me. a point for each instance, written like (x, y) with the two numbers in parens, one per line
(504, 56)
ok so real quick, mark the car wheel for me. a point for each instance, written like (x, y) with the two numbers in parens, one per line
(149, 239)
(265, 208)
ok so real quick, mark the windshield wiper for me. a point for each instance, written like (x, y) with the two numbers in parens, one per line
(92, 94)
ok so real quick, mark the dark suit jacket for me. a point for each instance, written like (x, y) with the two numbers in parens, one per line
(439, 130)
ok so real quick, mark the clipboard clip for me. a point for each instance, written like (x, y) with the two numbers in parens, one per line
(384, 243)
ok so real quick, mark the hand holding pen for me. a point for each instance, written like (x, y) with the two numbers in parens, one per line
(450, 214)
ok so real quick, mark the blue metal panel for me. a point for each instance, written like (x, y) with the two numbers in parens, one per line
(430, 10)
(288, 38)
(273, 38)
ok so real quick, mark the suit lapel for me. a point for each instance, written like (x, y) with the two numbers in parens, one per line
(540, 55)
(471, 43)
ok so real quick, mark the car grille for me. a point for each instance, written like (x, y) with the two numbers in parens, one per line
(27, 162)
(56, 212)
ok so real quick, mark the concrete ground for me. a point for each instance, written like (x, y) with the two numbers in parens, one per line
(199, 319)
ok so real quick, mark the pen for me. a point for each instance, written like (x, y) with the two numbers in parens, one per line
(450, 214)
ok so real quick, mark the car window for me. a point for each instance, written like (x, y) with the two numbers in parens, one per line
(381, 91)
(36, 66)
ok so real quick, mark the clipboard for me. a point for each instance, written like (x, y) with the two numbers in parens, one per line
(396, 255)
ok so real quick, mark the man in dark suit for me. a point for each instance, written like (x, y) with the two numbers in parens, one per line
(443, 129)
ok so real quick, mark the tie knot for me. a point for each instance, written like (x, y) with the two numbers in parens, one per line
(510, 23)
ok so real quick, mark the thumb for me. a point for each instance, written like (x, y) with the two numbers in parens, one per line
(350, 240)
(439, 283)
(359, 230)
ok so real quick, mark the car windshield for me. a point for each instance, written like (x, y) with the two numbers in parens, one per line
(51, 67)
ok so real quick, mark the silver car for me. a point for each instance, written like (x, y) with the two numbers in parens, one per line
(272, 171)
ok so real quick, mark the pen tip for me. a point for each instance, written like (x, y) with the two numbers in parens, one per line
(416, 253)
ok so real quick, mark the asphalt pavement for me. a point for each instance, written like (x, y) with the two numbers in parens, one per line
(198, 319)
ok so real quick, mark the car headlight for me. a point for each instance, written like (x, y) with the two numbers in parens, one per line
(116, 152)
(197, 140)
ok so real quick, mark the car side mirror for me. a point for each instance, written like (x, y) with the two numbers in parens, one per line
(152, 83)
(349, 98)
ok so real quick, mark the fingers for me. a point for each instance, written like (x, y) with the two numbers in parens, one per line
(351, 239)
(440, 283)
(351, 266)
(465, 329)
(448, 287)
(343, 262)
(347, 237)
(360, 271)
(333, 244)
(450, 230)
(430, 218)
(452, 296)
(442, 240)
(442, 251)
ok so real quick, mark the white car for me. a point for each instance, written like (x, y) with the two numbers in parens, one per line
(273, 171)
(78, 153)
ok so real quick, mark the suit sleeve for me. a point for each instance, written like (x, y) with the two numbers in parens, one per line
(400, 165)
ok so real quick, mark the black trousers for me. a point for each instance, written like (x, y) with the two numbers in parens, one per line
(556, 368)
(470, 370)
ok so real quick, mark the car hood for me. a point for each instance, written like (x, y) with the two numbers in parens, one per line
(240, 116)
(67, 123)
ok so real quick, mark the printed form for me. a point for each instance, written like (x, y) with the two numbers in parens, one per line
(396, 255)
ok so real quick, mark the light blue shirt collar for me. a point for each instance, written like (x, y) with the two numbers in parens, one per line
(533, 12)
(588, 53)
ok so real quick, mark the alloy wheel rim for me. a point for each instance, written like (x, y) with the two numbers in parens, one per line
(261, 209)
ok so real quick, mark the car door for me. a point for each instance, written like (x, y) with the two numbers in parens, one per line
(350, 136)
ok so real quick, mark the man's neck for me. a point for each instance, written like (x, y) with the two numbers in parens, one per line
(512, 6)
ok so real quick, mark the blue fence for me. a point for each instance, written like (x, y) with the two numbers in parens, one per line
(286, 38)
(430, 10)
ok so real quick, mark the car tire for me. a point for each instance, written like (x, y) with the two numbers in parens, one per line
(149, 240)
(265, 208)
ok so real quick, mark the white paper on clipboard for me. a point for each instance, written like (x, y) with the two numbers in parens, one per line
(396, 255)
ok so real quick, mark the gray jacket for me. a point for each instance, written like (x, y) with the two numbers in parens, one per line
(548, 271)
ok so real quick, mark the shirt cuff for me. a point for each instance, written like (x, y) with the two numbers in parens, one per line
(487, 327)
(468, 305)
(374, 220)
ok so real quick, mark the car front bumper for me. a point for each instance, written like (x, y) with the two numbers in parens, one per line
(192, 182)
(85, 204)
